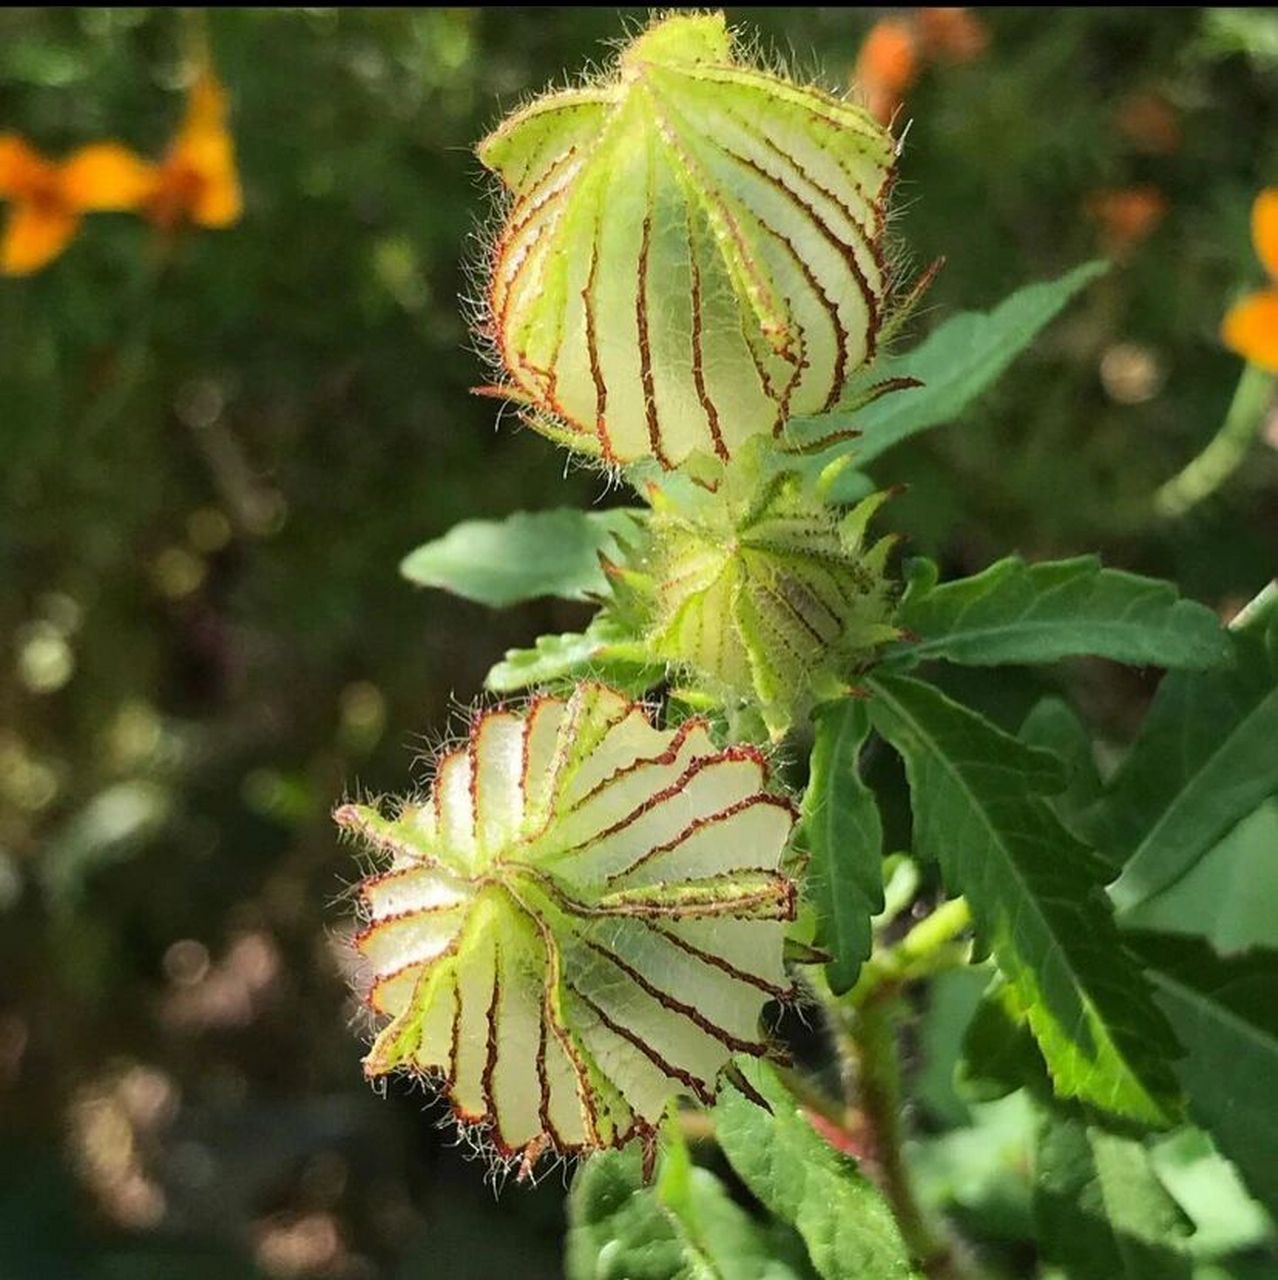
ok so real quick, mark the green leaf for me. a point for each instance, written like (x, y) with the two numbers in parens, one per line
(978, 1174)
(841, 1215)
(683, 1227)
(957, 362)
(1225, 1014)
(1036, 897)
(843, 833)
(1101, 1211)
(604, 651)
(526, 555)
(1205, 758)
(1052, 726)
(1207, 1187)
(1230, 896)
(1000, 1054)
(1018, 612)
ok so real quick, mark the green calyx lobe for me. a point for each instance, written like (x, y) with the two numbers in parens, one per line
(693, 251)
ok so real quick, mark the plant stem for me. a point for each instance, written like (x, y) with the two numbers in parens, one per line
(866, 1022)
(1226, 450)
(872, 1037)
(928, 948)
(1256, 612)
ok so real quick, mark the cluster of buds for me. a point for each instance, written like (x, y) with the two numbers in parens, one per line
(693, 254)
(586, 914)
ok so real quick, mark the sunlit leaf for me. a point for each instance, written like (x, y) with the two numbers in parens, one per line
(841, 1215)
(684, 1226)
(955, 364)
(604, 651)
(1018, 612)
(1036, 895)
(501, 562)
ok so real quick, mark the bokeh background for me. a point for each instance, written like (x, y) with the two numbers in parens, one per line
(212, 460)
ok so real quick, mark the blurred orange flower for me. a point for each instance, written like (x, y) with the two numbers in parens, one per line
(952, 35)
(894, 50)
(48, 198)
(887, 66)
(1127, 215)
(1250, 327)
(1150, 123)
(197, 180)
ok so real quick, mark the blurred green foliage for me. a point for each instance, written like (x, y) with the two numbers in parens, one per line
(214, 455)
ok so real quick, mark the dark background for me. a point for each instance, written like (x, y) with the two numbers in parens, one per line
(212, 463)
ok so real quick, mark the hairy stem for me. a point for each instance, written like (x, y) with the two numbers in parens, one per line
(930, 947)
(867, 1021)
(877, 1071)
(1225, 451)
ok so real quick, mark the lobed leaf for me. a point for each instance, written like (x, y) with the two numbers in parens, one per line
(526, 555)
(1224, 1012)
(953, 366)
(1205, 759)
(1102, 1213)
(1018, 612)
(844, 1220)
(843, 833)
(1036, 897)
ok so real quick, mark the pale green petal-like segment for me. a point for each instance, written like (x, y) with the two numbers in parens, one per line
(532, 142)
(585, 917)
(693, 253)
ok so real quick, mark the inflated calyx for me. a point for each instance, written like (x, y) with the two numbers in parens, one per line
(693, 251)
(582, 919)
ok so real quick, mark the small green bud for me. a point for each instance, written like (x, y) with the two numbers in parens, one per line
(693, 252)
(760, 594)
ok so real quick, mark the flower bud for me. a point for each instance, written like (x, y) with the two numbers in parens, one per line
(759, 594)
(582, 919)
(693, 251)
